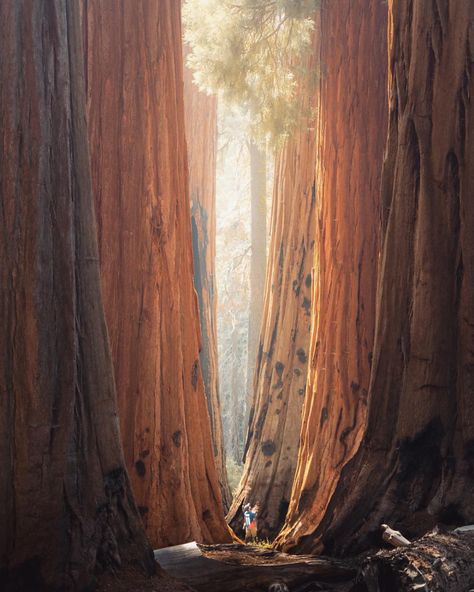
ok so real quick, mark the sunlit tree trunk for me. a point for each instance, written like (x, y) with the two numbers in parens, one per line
(415, 466)
(280, 377)
(136, 130)
(66, 509)
(258, 256)
(352, 130)
(201, 139)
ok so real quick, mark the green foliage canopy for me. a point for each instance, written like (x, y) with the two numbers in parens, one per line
(249, 52)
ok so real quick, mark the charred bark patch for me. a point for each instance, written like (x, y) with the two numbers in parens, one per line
(281, 261)
(283, 509)
(274, 336)
(301, 355)
(177, 437)
(307, 306)
(302, 262)
(195, 374)
(279, 367)
(324, 416)
(140, 468)
(261, 420)
(306, 497)
(420, 464)
(268, 448)
(355, 387)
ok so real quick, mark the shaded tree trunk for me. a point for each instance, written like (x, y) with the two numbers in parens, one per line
(258, 257)
(351, 138)
(66, 508)
(201, 138)
(136, 129)
(280, 377)
(416, 461)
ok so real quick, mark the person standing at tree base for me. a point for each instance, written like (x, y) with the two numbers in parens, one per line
(250, 523)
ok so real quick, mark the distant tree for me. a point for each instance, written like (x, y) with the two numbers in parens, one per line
(248, 51)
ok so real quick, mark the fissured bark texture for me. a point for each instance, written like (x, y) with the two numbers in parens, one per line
(66, 507)
(280, 376)
(416, 462)
(201, 138)
(352, 132)
(139, 171)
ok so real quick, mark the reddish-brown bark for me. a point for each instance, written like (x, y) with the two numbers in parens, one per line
(66, 507)
(139, 171)
(201, 138)
(415, 465)
(280, 377)
(351, 129)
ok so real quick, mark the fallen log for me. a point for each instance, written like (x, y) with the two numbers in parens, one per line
(245, 568)
(438, 562)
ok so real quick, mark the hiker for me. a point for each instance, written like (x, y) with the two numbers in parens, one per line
(250, 523)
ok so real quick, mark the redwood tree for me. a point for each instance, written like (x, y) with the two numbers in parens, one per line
(201, 139)
(66, 508)
(139, 172)
(351, 136)
(415, 466)
(280, 375)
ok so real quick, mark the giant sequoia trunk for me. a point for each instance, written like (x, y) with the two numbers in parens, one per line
(351, 132)
(65, 503)
(201, 139)
(280, 377)
(136, 121)
(416, 461)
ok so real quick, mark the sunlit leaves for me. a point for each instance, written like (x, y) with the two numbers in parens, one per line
(248, 52)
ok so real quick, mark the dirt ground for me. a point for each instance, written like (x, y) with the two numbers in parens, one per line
(251, 556)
